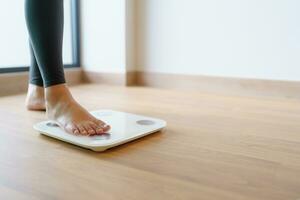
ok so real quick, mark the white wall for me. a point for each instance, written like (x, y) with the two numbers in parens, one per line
(103, 35)
(14, 45)
(234, 38)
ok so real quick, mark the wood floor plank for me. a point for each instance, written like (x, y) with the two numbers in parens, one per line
(214, 147)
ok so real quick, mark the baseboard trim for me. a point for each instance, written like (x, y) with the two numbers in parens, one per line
(74, 76)
(104, 78)
(122, 79)
(218, 85)
(221, 85)
(15, 83)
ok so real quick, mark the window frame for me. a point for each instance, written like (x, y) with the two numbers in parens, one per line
(75, 36)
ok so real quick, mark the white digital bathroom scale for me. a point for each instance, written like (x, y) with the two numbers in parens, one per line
(125, 127)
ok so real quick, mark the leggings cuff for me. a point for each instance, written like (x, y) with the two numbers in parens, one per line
(55, 82)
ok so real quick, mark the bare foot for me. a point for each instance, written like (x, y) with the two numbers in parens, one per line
(69, 115)
(35, 99)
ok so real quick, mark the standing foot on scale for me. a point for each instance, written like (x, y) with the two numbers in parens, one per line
(69, 115)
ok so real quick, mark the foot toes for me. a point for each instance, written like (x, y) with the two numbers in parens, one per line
(71, 128)
(98, 127)
(76, 132)
(94, 127)
(99, 130)
(82, 130)
(102, 127)
(90, 129)
(106, 127)
(91, 132)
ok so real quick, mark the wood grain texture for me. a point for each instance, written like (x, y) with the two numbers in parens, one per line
(215, 147)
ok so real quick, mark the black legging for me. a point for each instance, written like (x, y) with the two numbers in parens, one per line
(45, 21)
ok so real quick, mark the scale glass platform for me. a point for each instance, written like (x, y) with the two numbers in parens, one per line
(125, 127)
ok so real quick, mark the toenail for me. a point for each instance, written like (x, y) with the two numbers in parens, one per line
(103, 125)
(106, 126)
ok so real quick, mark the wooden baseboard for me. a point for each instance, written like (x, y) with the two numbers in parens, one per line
(15, 83)
(74, 76)
(221, 85)
(131, 78)
(104, 78)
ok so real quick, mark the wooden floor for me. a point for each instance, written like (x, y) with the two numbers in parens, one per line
(215, 147)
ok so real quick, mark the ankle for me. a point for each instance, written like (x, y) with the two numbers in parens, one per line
(57, 94)
(35, 90)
